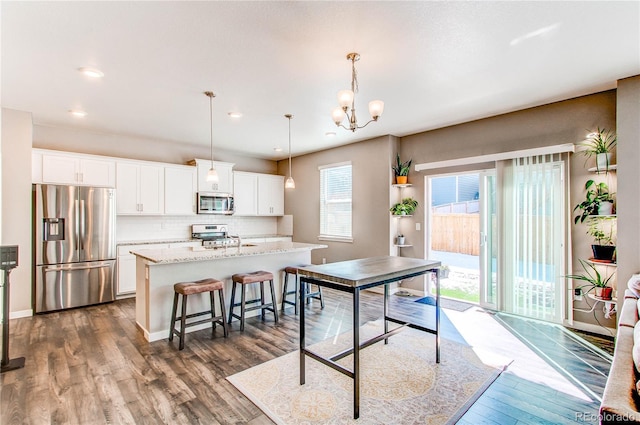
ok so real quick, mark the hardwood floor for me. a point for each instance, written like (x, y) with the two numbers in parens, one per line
(93, 366)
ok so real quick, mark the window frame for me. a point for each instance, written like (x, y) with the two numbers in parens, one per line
(334, 237)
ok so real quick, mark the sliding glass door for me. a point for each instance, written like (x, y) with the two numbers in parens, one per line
(533, 266)
(488, 272)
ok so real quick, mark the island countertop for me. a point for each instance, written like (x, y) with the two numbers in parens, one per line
(189, 254)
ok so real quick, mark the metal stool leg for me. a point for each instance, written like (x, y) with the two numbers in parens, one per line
(213, 313)
(223, 314)
(273, 301)
(173, 316)
(262, 300)
(243, 290)
(183, 320)
(321, 297)
(233, 302)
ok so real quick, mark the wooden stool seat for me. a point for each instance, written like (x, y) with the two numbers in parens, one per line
(253, 277)
(199, 286)
(185, 289)
(308, 295)
(245, 279)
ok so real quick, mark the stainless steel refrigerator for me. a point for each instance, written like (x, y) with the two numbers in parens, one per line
(74, 246)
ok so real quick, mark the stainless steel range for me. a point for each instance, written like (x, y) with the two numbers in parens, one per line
(213, 235)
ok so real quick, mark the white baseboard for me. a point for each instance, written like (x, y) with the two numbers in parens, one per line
(588, 327)
(20, 314)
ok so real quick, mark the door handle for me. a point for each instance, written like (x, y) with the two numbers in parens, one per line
(77, 229)
(66, 269)
(83, 224)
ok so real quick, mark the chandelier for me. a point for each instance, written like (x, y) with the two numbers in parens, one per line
(212, 175)
(346, 100)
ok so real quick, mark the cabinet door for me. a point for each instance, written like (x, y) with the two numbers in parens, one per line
(126, 274)
(151, 190)
(60, 169)
(95, 172)
(245, 193)
(270, 195)
(127, 188)
(225, 177)
(180, 190)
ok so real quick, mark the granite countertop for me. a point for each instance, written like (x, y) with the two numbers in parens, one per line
(189, 239)
(188, 254)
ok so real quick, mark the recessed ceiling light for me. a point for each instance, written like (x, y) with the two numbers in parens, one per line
(235, 114)
(277, 149)
(78, 113)
(91, 72)
(330, 134)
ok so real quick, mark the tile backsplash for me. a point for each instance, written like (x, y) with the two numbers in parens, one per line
(145, 228)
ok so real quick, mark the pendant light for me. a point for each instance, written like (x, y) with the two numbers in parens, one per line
(289, 184)
(212, 175)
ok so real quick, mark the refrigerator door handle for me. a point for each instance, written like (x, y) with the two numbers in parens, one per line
(83, 224)
(68, 268)
(77, 232)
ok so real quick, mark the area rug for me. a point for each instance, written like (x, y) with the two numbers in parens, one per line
(400, 382)
(446, 303)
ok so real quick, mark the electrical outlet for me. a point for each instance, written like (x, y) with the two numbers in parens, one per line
(577, 294)
(324, 261)
(418, 226)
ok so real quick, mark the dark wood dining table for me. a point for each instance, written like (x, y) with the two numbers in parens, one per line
(352, 277)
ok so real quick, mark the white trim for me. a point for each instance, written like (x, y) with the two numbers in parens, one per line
(334, 165)
(20, 314)
(547, 150)
(335, 238)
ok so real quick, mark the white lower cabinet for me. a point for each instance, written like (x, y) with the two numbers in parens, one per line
(127, 263)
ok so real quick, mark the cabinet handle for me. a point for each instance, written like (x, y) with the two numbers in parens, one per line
(81, 177)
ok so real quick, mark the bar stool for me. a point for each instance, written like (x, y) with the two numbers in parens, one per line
(296, 299)
(185, 289)
(245, 279)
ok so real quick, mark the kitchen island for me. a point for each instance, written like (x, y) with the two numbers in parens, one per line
(157, 270)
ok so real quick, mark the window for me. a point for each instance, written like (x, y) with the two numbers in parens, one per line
(335, 202)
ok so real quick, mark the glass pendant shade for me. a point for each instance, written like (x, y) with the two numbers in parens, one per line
(290, 184)
(338, 115)
(212, 175)
(345, 98)
(375, 108)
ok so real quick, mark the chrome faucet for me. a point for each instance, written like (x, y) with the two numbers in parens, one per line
(238, 238)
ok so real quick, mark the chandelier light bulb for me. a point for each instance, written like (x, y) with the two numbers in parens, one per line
(338, 115)
(375, 108)
(345, 98)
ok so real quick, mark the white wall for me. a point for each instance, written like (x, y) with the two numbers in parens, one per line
(16, 203)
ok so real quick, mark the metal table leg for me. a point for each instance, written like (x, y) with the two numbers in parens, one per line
(300, 293)
(356, 354)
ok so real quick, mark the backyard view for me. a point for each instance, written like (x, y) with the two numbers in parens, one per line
(455, 235)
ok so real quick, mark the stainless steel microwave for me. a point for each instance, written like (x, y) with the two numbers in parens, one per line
(215, 203)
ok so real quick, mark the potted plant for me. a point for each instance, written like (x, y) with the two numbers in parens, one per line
(595, 281)
(604, 248)
(600, 144)
(444, 271)
(401, 170)
(598, 201)
(400, 239)
(406, 207)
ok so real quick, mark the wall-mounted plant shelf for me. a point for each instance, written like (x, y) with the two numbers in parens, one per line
(612, 167)
(401, 185)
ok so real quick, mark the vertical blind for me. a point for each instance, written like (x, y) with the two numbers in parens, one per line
(535, 233)
(335, 201)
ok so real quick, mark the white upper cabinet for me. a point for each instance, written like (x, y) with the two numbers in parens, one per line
(270, 195)
(139, 189)
(180, 187)
(64, 168)
(225, 176)
(258, 194)
(245, 193)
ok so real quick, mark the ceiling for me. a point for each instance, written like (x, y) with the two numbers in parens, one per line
(434, 64)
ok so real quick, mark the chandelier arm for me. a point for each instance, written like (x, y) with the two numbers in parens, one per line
(363, 126)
